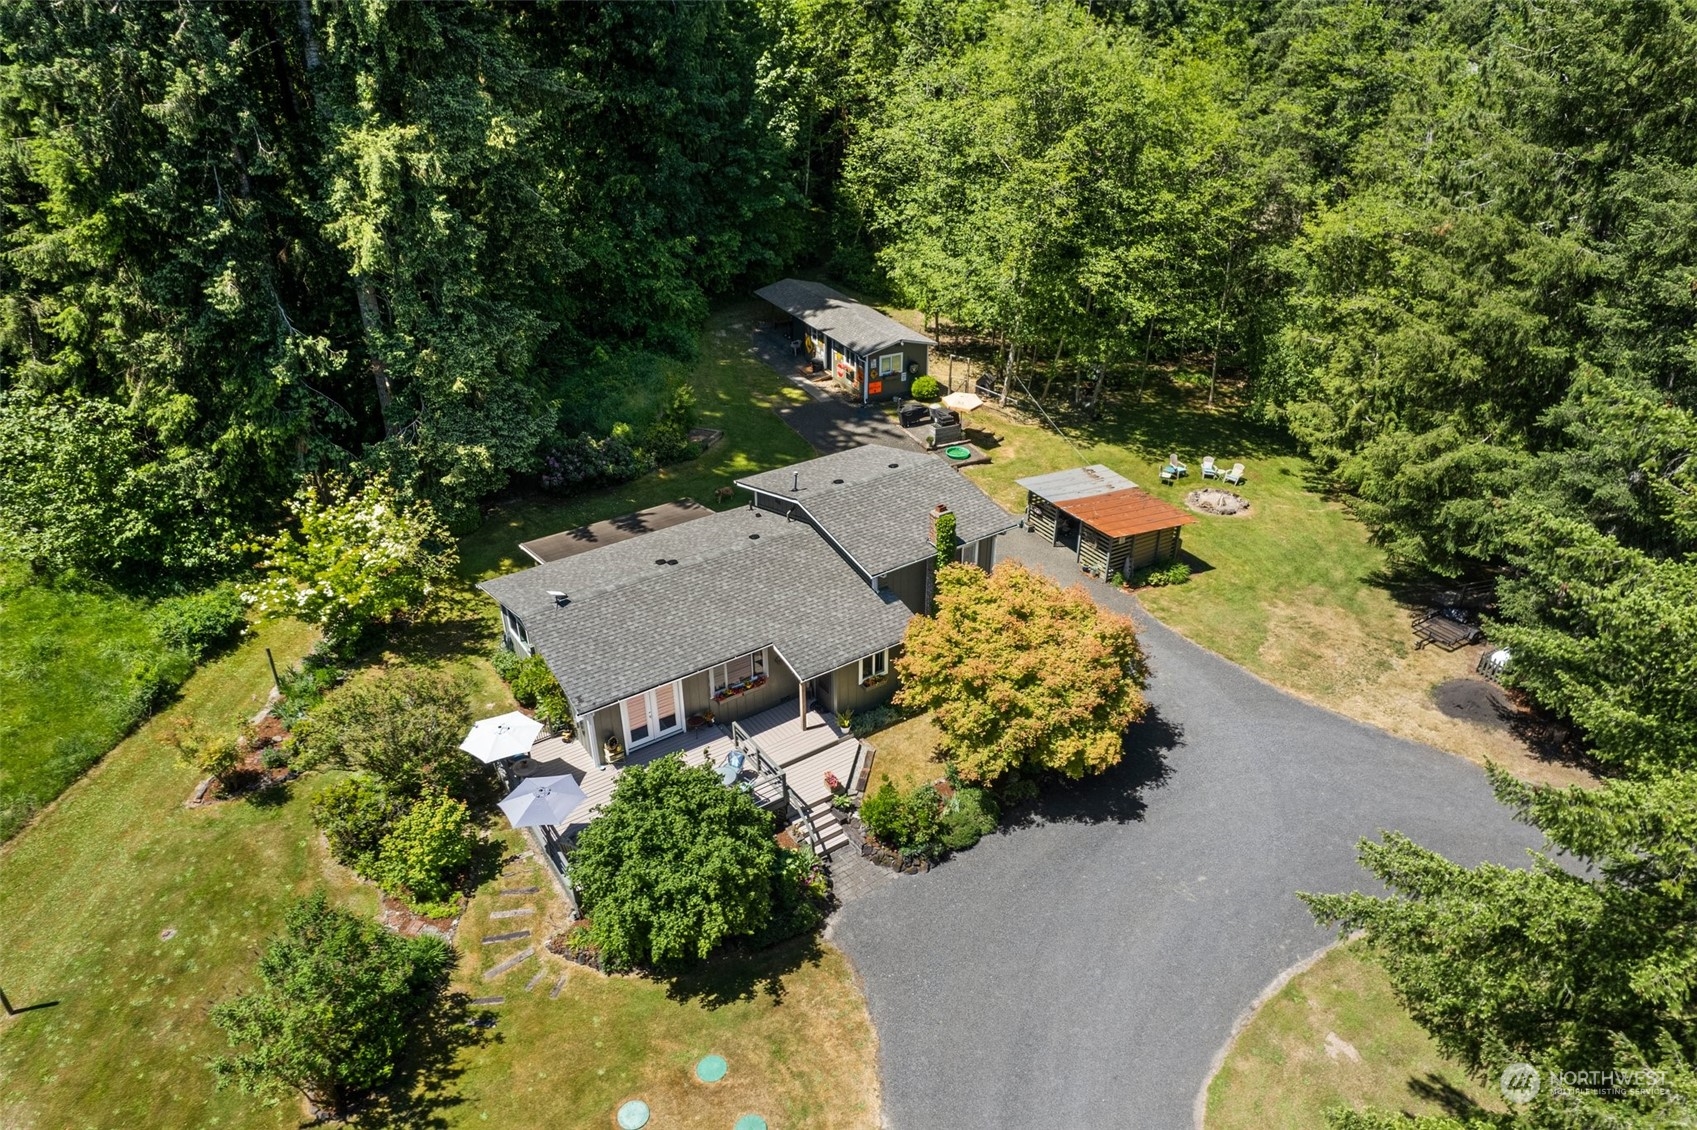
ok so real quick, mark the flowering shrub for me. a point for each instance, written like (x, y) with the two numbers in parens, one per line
(579, 460)
(351, 561)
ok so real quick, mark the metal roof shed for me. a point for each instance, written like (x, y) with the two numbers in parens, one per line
(1115, 526)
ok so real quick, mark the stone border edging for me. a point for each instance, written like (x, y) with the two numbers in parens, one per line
(1199, 1109)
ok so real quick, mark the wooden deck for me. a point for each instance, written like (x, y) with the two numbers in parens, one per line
(804, 754)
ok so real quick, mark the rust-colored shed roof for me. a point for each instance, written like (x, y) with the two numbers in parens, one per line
(1126, 512)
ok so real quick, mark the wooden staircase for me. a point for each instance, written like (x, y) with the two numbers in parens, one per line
(830, 827)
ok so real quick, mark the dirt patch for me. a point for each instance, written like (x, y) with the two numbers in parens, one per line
(1479, 702)
(397, 916)
(1220, 503)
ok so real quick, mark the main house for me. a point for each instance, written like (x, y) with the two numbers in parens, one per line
(801, 596)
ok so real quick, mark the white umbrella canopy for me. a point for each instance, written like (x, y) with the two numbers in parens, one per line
(542, 800)
(963, 401)
(501, 737)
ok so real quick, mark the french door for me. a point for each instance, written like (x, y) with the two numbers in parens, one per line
(652, 714)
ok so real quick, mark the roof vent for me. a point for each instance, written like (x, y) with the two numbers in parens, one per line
(795, 480)
(659, 561)
(836, 482)
(560, 598)
(671, 560)
(753, 537)
(893, 466)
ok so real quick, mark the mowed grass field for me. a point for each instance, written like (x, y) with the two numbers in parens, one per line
(69, 659)
(1335, 1036)
(1296, 592)
(117, 1033)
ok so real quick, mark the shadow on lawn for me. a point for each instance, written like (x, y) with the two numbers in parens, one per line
(732, 977)
(424, 1088)
(1434, 1088)
(1114, 797)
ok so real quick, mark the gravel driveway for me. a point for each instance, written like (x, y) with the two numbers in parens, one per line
(1083, 967)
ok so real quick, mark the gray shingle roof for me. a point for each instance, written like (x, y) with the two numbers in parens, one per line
(631, 624)
(880, 510)
(838, 316)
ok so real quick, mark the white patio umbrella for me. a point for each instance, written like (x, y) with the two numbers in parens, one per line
(542, 800)
(963, 401)
(501, 737)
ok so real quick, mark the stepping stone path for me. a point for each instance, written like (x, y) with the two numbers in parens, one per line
(536, 980)
(558, 985)
(511, 963)
(512, 937)
(522, 891)
(488, 1000)
(515, 912)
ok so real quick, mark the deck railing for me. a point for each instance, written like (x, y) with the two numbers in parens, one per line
(766, 767)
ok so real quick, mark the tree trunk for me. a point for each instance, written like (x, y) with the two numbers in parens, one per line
(1148, 344)
(1220, 327)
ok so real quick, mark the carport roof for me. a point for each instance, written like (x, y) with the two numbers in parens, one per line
(1080, 482)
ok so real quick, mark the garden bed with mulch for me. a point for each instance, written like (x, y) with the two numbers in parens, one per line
(395, 915)
(876, 852)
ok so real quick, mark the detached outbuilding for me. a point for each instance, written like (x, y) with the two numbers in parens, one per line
(1109, 521)
(870, 353)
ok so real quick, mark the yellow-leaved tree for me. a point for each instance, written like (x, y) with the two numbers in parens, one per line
(1022, 675)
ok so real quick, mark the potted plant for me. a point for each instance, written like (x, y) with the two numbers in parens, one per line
(613, 749)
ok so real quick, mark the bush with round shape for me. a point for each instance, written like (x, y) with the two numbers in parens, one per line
(968, 816)
(426, 850)
(354, 814)
(926, 388)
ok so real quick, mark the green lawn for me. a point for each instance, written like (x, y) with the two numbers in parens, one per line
(68, 665)
(90, 887)
(1336, 1036)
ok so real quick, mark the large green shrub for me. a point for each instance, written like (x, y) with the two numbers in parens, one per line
(426, 850)
(199, 623)
(354, 814)
(403, 725)
(926, 388)
(675, 865)
(905, 821)
(534, 685)
(968, 816)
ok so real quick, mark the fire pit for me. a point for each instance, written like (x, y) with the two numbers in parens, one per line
(1213, 500)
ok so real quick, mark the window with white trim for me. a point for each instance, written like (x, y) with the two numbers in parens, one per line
(737, 674)
(889, 363)
(515, 626)
(967, 554)
(875, 666)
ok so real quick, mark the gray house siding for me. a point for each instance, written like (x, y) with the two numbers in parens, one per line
(780, 687)
(910, 584)
(848, 694)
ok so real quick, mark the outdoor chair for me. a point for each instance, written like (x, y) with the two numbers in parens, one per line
(734, 761)
(1235, 475)
(1209, 471)
(1178, 468)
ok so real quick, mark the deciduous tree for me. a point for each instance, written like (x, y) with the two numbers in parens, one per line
(1022, 675)
(403, 725)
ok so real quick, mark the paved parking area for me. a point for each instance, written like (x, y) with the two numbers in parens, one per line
(1083, 967)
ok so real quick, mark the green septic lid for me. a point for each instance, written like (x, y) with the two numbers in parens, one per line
(711, 1069)
(634, 1115)
(959, 452)
(750, 1122)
